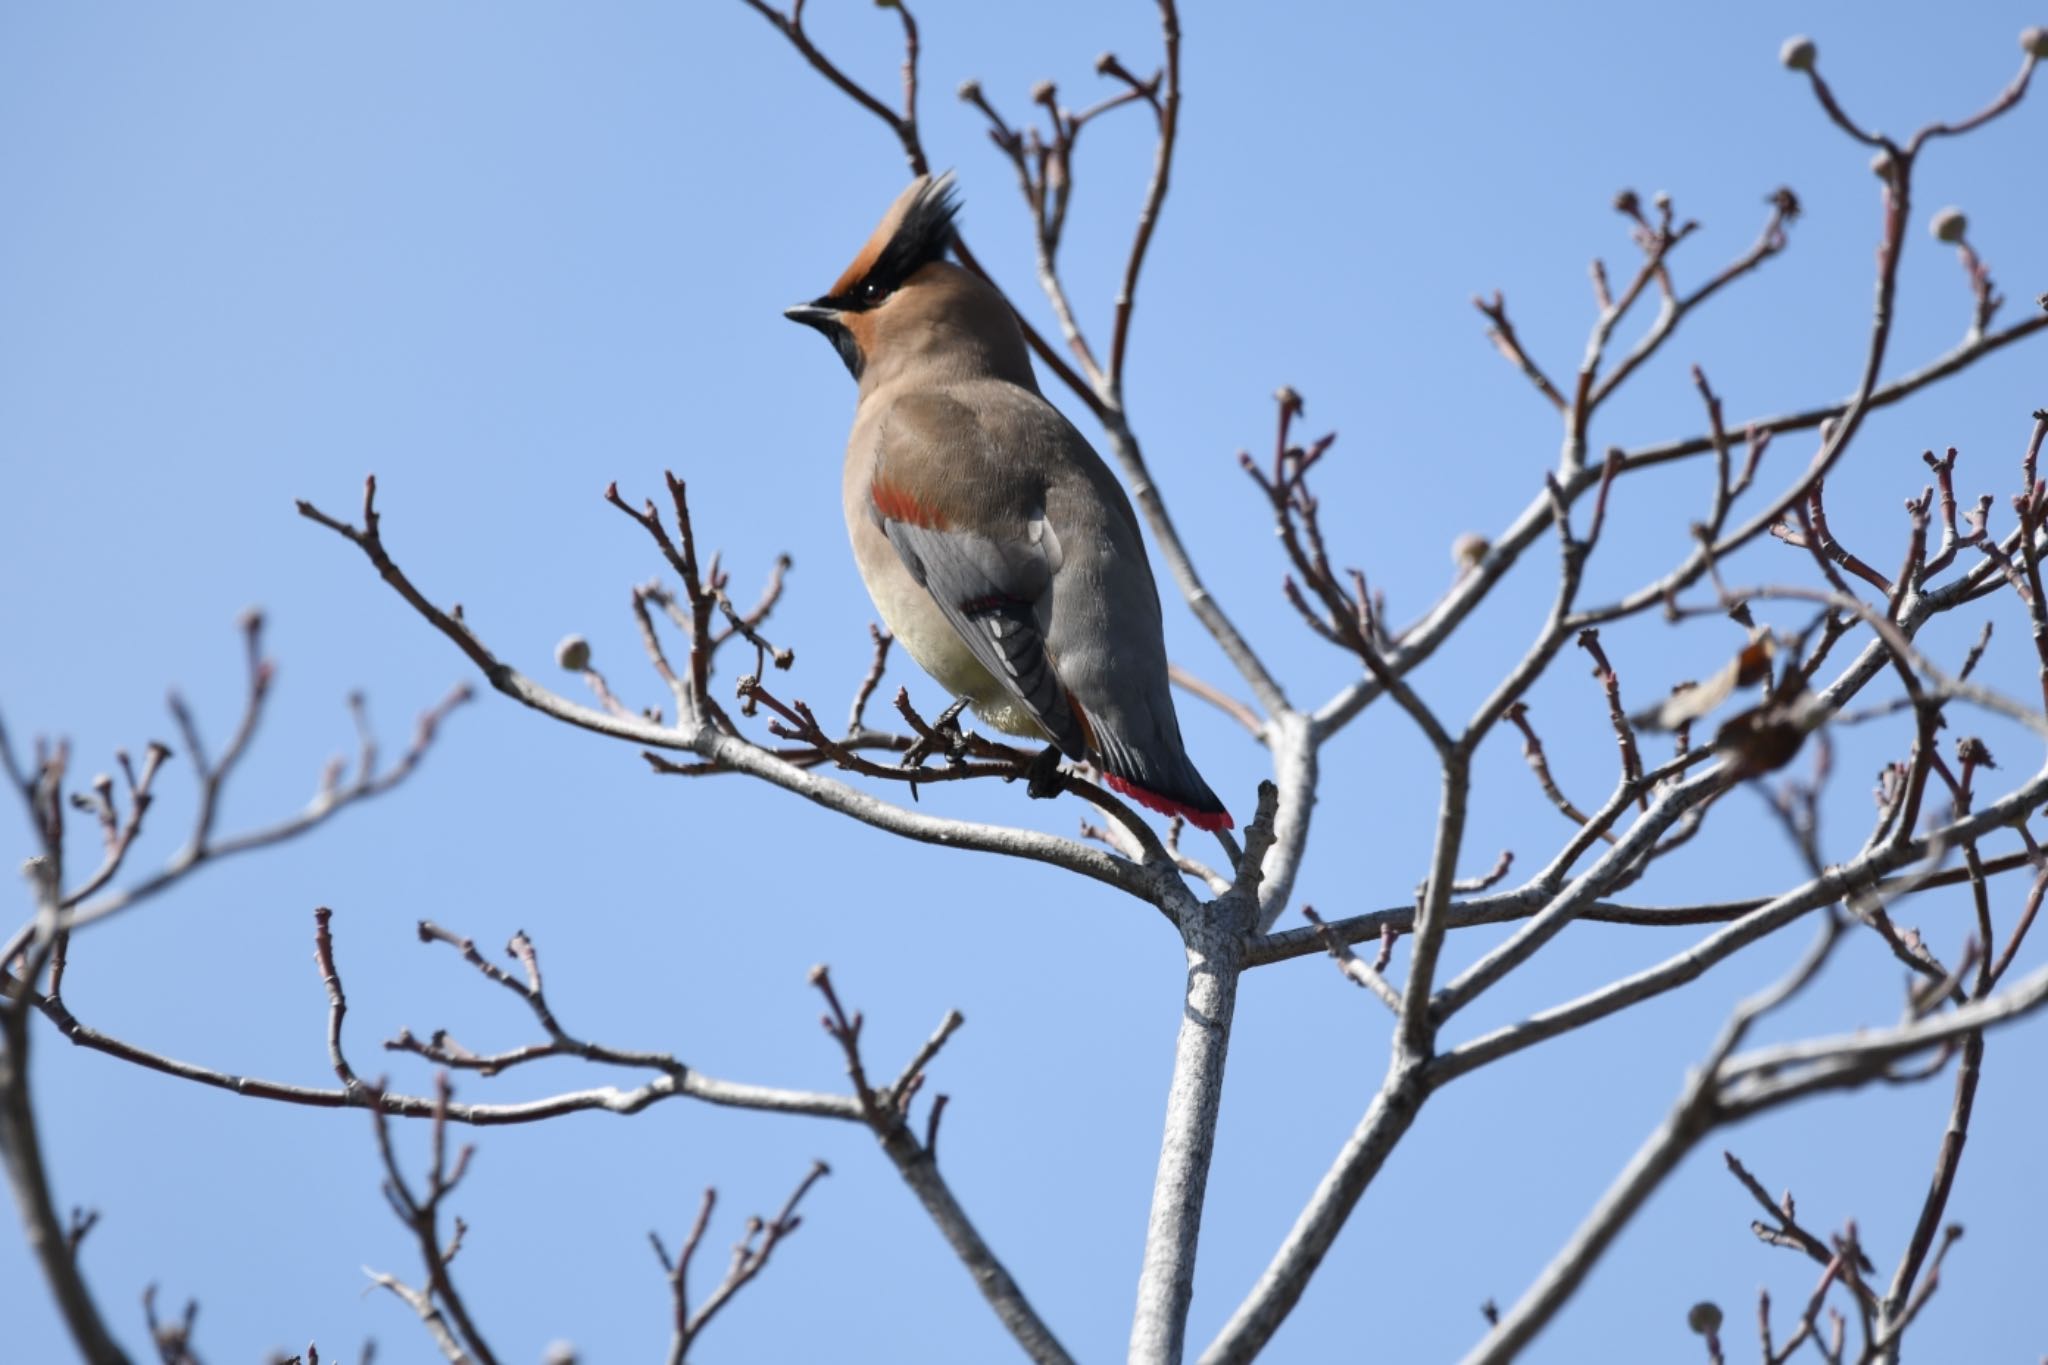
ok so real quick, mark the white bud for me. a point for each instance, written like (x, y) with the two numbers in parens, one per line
(573, 653)
(1798, 54)
(1949, 225)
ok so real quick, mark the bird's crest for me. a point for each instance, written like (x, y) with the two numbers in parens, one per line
(917, 230)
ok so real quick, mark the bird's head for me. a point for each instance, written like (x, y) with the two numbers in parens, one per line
(902, 305)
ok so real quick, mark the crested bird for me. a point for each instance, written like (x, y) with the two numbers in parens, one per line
(996, 544)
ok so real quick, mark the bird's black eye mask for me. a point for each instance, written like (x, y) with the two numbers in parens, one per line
(867, 294)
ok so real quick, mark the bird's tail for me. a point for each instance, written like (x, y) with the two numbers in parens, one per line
(1159, 777)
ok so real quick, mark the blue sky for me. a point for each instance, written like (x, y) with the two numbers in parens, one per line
(502, 255)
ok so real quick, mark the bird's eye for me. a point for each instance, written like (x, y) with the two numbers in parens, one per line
(871, 292)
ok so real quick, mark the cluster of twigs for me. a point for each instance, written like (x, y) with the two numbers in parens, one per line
(34, 960)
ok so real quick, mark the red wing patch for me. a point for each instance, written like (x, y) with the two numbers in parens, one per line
(898, 504)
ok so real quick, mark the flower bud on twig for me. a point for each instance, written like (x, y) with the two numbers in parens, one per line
(573, 653)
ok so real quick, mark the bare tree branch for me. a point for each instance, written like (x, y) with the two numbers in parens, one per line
(749, 1257)
(1166, 1284)
(732, 752)
(440, 1306)
(886, 1115)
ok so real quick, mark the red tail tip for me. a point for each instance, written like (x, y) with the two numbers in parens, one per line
(1210, 820)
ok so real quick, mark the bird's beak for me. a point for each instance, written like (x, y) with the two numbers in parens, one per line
(830, 323)
(813, 315)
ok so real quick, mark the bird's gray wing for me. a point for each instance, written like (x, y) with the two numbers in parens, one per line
(971, 530)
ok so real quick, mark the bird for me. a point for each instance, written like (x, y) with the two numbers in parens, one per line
(996, 544)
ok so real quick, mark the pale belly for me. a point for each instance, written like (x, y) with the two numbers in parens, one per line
(925, 634)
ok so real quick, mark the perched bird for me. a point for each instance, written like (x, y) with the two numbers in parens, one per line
(996, 544)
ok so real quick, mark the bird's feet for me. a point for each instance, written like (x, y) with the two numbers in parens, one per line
(942, 737)
(1042, 778)
(947, 726)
